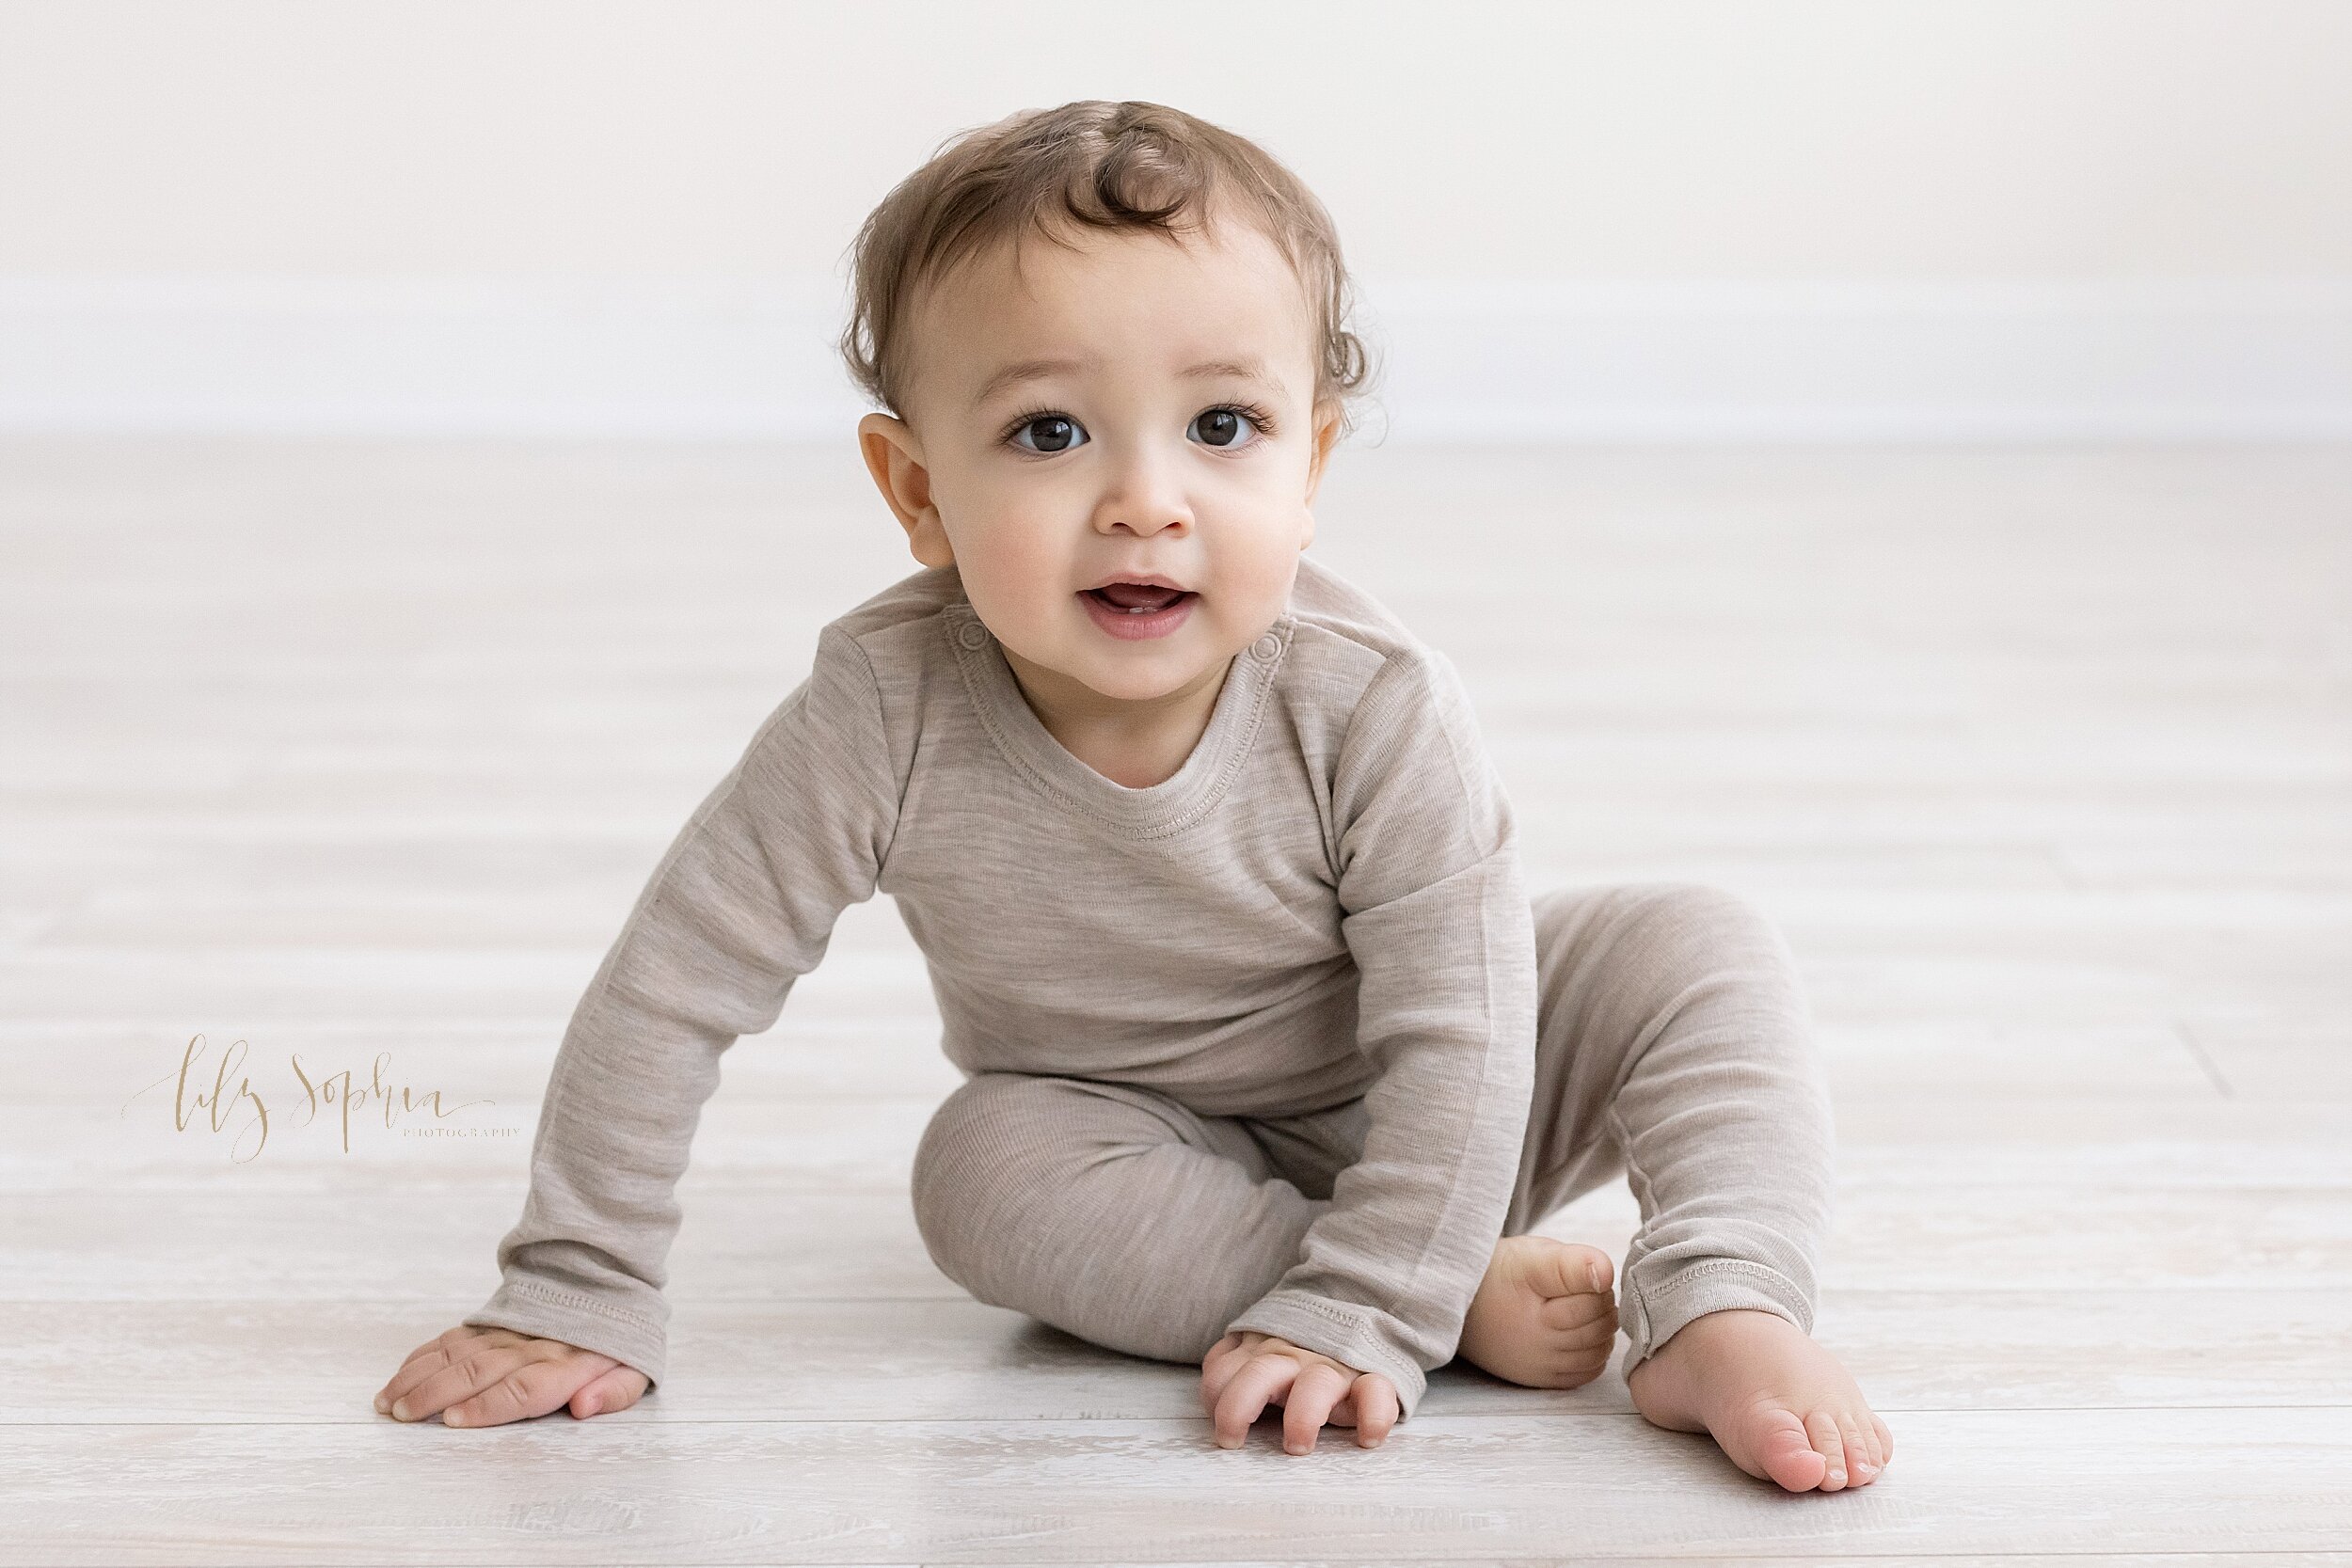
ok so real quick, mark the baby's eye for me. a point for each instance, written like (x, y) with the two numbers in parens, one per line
(1224, 427)
(1052, 432)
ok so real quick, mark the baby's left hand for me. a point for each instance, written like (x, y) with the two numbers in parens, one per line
(1244, 1372)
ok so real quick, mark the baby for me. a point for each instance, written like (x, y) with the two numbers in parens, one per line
(1270, 1062)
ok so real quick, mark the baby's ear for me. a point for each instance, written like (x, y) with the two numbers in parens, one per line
(1327, 435)
(895, 458)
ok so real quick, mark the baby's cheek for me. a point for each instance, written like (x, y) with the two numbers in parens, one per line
(1022, 595)
(1241, 606)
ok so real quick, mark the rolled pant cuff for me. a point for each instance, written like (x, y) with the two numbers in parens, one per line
(1709, 1285)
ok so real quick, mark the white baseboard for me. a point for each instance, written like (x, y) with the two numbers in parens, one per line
(1463, 362)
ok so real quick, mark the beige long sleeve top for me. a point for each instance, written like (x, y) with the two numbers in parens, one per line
(1335, 910)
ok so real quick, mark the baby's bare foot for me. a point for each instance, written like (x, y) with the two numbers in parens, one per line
(1543, 1315)
(1783, 1408)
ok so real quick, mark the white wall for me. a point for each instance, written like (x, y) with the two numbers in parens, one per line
(1805, 218)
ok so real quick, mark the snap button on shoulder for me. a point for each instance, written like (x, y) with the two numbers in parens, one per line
(972, 634)
(1266, 646)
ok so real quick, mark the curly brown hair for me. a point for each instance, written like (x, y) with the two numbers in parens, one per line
(1088, 165)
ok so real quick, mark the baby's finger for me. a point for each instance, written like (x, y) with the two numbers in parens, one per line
(422, 1362)
(531, 1389)
(617, 1389)
(1245, 1398)
(1376, 1409)
(1216, 1370)
(467, 1334)
(433, 1354)
(1308, 1405)
(467, 1374)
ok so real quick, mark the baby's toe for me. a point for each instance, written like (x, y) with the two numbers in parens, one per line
(1821, 1427)
(1580, 1310)
(1601, 1274)
(1571, 1270)
(1575, 1368)
(1861, 1468)
(1885, 1449)
(1779, 1444)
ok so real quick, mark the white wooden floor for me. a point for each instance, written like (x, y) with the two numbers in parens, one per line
(355, 752)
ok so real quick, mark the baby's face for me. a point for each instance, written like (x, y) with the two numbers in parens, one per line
(1136, 411)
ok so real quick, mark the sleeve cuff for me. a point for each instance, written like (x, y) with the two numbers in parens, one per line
(547, 1312)
(1348, 1337)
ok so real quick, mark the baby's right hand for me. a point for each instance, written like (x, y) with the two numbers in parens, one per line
(483, 1377)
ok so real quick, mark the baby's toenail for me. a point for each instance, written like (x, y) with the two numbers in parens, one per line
(400, 1411)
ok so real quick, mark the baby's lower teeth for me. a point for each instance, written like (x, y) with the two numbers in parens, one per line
(1136, 609)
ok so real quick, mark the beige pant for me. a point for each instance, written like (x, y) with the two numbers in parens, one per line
(1672, 1043)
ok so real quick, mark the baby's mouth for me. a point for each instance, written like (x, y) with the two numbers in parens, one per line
(1137, 598)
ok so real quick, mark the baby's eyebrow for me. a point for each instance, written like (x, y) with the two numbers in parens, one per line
(1024, 370)
(1246, 370)
(1037, 370)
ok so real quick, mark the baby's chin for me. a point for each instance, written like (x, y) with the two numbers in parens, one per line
(1129, 680)
(1140, 673)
